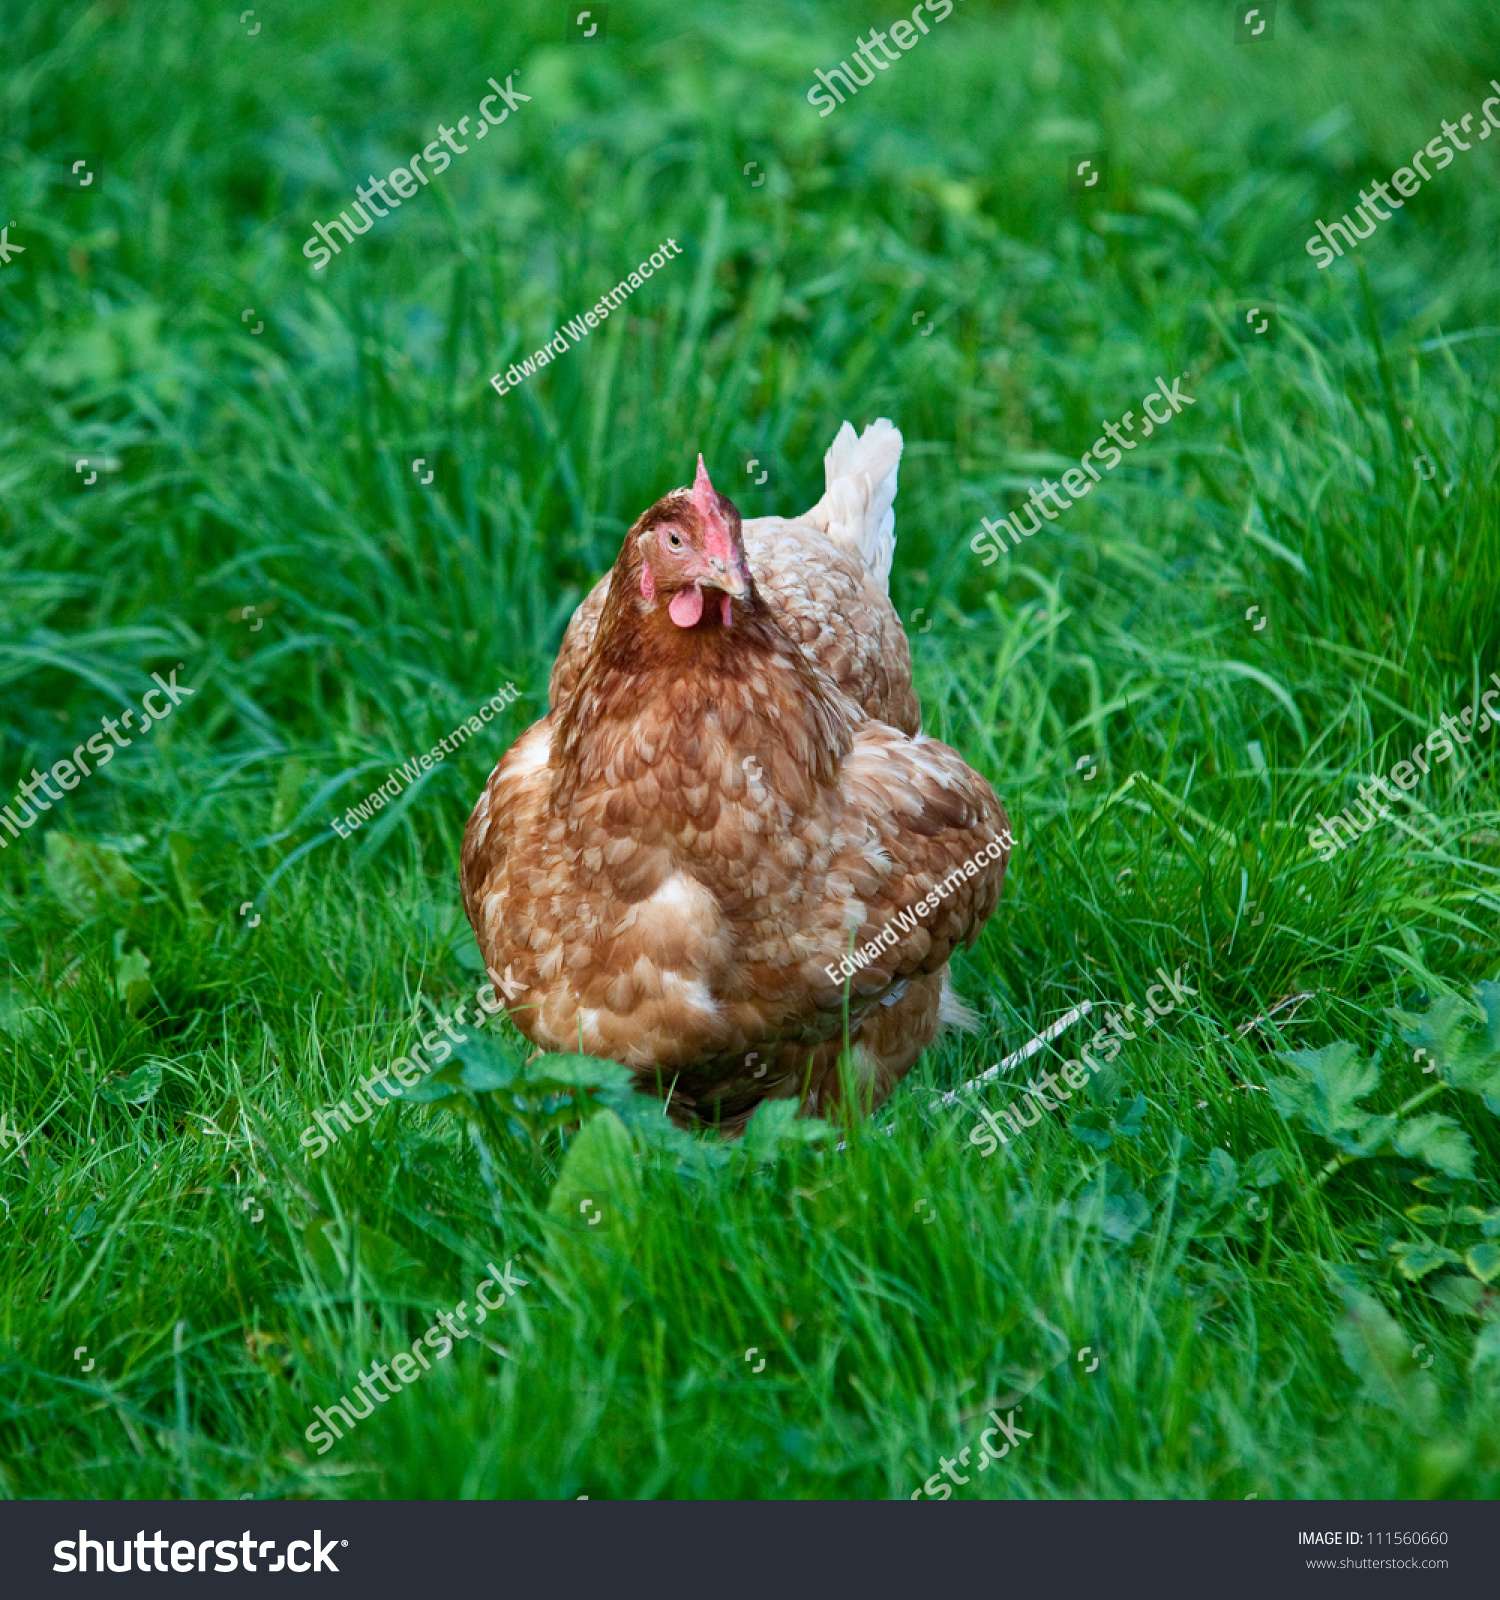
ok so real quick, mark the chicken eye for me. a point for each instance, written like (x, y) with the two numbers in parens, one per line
(673, 542)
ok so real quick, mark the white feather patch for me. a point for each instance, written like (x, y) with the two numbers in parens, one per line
(531, 751)
(954, 1011)
(860, 474)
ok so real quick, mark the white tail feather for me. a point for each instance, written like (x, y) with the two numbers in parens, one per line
(954, 1011)
(860, 473)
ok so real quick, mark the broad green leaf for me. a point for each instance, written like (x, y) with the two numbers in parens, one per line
(1369, 1139)
(1428, 1216)
(181, 850)
(486, 1064)
(651, 1129)
(1488, 996)
(1324, 1087)
(432, 1092)
(1105, 1087)
(600, 1166)
(318, 1240)
(1119, 1213)
(1124, 1216)
(1222, 1175)
(1458, 1294)
(776, 1123)
(1378, 1352)
(1483, 1260)
(485, 1076)
(1093, 1127)
(1416, 1258)
(1439, 1142)
(1486, 1347)
(1488, 1222)
(88, 878)
(1129, 1125)
(1465, 1059)
(1431, 1183)
(132, 974)
(1439, 1031)
(385, 1266)
(1290, 1097)
(482, 1055)
(1263, 1169)
(134, 1089)
(769, 1124)
(579, 1072)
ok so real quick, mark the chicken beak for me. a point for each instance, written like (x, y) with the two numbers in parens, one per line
(731, 579)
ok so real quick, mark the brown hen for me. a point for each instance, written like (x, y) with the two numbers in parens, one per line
(729, 794)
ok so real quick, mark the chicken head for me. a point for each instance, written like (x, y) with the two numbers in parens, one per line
(689, 541)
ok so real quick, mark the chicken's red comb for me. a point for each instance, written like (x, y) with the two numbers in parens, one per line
(716, 538)
(705, 500)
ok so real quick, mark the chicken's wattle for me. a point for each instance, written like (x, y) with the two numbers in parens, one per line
(686, 608)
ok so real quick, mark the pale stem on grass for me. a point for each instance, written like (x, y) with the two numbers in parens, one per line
(1025, 1053)
(189, 1492)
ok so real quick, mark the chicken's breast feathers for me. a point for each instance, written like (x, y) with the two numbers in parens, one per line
(689, 859)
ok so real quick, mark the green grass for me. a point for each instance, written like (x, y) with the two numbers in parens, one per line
(161, 1058)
